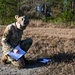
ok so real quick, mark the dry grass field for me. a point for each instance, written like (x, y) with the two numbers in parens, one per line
(49, 41)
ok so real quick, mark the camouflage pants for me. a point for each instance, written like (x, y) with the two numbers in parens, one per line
(25, 45)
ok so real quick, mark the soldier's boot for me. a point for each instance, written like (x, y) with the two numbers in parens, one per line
(4, 59)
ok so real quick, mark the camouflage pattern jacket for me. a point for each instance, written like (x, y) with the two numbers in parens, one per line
(11, 37)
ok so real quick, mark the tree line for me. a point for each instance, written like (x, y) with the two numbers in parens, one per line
(56, 10)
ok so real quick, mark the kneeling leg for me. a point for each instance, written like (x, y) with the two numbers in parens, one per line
(19, 63)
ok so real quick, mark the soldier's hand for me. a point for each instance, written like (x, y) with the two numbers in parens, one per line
(15, 51)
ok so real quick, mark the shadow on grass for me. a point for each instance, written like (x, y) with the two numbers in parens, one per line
(34, 64)
(56, 58)
(63, 57)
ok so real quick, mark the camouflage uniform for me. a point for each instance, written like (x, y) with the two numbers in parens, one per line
(10, 39)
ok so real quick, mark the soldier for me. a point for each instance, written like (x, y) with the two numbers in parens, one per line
(12, 37)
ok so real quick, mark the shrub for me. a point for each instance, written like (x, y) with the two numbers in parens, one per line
(67, 16)
(6, 21)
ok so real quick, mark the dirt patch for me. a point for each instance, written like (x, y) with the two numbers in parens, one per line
(51, 42)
